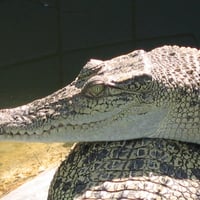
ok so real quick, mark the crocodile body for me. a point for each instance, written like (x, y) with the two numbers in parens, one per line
(153, 94)
(145, 169)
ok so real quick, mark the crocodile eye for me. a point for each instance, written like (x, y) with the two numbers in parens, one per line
(94, 90)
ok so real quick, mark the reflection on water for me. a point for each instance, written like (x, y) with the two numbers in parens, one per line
(20, 161)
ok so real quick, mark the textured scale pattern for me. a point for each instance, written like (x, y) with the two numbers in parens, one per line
(144, 169)
(153, 94)
(160, 88)
(178, 67)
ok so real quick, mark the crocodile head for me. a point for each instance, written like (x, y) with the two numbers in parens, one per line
(109, 100)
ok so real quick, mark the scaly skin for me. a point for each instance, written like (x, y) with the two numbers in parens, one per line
(141, 94)
(143, 169)
(152, 94)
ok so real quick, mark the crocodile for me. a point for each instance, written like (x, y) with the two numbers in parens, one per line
(136, 119)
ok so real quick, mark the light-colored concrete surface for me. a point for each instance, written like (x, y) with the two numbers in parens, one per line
(35, 189)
